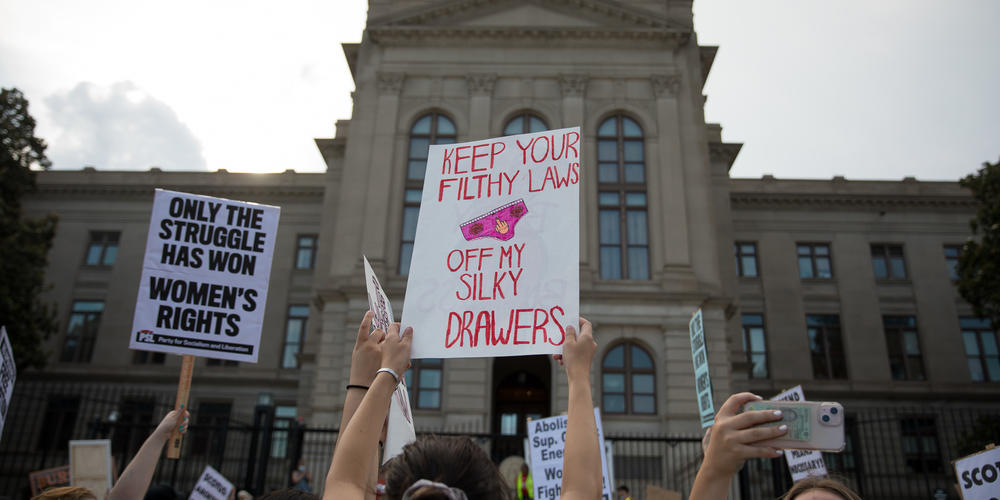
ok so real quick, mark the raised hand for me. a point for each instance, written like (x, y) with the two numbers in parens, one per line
(367, 354)
(396, 349)
(733, 437)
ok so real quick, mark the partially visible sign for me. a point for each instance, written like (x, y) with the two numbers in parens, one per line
(204, 277)
(90, 465)
(399, 426)
(801, 463)
(702, 378)
(547, 443)
(48, 478)
(979, 475)
(211, 486)
(8, 373)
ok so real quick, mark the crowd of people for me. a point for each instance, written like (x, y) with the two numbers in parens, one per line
(456, 468)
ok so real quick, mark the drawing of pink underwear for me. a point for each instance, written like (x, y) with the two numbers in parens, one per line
(497, 223)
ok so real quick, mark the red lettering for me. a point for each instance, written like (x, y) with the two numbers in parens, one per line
(468, 287)
(478, 155)
(500, 337)
(484, 323)
(572, 145)
(494, 152)
(456, 268)
(446, 162)
(562, 332)
(518, 326)
(448, 342)
(539, 326)
(524, 151)
(466, 322)
(545, 152)
(444, 183)
(459, 158)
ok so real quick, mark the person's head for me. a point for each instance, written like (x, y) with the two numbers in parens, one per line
(820, 488)
(66, 493)
(623, 491)
(161, 492)
(524, 468)
(289, 494)
(454, 461)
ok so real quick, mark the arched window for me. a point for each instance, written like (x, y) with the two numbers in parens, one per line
(621, 176)
(628, 380)
(433, 128)
(525, 123)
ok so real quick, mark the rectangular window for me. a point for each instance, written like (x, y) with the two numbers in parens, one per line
(103, 248)
(58, 423)
(208, 434)
(81, 332)
(221, 362)
(305, 251)
(284, 416)
(295, 333)
(826, 346)
(905, 360)
(814, 261)
(754, 344)
(888, 262)
(148, 358)
(132, 425)
(423, 381)
(981, 349)
(951, 253)
(411, 209)
(920, 445)
(746, 259)
(623, 234)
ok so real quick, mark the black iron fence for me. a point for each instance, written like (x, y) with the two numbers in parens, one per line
(892, 452)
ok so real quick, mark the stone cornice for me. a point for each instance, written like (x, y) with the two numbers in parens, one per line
(314, 191)
(406, 34)
(480, 84)
(724, 152)
(389, 83)
(665, 85)
(861, 201)
(707, 55)
(573, 85)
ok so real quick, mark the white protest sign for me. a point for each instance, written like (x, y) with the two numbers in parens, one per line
(979, 475)
(399, 429)
(204, 277)
(801, 463)
(90, 465)
(211, 486)
(496, 257)
(547, 442)
(8, 373)
(702, 378)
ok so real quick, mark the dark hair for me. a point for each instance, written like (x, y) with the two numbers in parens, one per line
(821, 483)
(161, 492)
(623, 488)
(289, 494)
(455, 461)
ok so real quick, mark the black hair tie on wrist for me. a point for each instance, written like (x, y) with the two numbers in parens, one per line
(356, 386)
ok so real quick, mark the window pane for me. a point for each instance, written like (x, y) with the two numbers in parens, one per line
(608, 198)
(412, 196)
(303, 259)
(974, 323)
(636, 227)
(749, 266)
(989, 343)
(294, 331)
(823, 268)
(537, 125)
(753, 319)
(418, 148)
(607, 128)
(607, 172)
(513, 127)
(971, 346)
(640, 359)
(635, 199)
(429, 399)
(109, 255)
(757, 340)
(611, 263)
(410, 215)
(878, 265)
(88, 306)
(633, 151)
(405, 252)
(615, 358)
(423, 126)
(821, 250)
(288, 359)
(607, 151)
(630, 128)
(94, 254)
(804, 250)
(898, 268)
(816, 341)
(634, 172)
(759, 365)
(445, 126)
(976, 370)
(610, 231)
(748, 248)
(805, 267)
(993, 368)
(508, 424)
(642, 383)
(614, 403)
(430, 379)
(445, 140)
(642, 404)
(614, 382)
(638, 263)
(953, 269)
(415, 170)
(912, 343)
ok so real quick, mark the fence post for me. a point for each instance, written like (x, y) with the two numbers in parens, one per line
(266, 414)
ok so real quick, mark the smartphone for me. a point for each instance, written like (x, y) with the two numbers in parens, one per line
(811, 425)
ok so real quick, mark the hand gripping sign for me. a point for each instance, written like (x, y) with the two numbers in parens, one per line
(495, 266)
(979, 474)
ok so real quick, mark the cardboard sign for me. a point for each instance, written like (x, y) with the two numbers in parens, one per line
(979, 475)
(211, 486)
(399, 428)
(204, 277)
(8, 373)
(90, 465)
(496, 258)
(546, 444)
(702, 378)
(801, 463)
(48, 478)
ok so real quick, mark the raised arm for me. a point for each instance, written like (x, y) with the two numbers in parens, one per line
(134, 482)
(582, 476)
(364, 362)
(357, 445)
(731, 442)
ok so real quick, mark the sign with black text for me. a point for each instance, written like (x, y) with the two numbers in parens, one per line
(546, 444)
(211, 486)
(8, 373)
(801, 463)
(702, 377)
(979, 475)
(204, 277)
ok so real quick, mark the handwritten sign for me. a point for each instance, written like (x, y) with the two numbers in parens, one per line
(801, 463)
(8, 373)
(546, 445)
(204, 277)
(48, 478)
(495, 267)
(979, 475)
(399, 426)
(702, 377)
(211, 486)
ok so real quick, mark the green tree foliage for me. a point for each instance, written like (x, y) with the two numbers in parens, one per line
(979, 262)
(24, 243)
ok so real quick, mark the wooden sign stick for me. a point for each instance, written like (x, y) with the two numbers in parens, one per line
(183, 390)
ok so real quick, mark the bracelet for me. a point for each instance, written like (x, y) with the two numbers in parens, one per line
(390, 371)
(357, 386)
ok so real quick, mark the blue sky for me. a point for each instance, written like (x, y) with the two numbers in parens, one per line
(868, 90)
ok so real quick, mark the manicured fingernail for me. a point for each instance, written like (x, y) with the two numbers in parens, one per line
(758, 397)
(777, 452)
(782, 427)
(777, 413)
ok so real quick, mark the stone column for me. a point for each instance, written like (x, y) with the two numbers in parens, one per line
(382, 165)
(574, 87)
(480, 87)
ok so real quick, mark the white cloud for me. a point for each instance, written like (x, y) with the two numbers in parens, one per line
(118, 127)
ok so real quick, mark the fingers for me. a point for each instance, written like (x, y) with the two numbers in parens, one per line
(365, 328)
(754, 451)
(762, 433)
(734, 403)
(571, 334)
(749, 419)
(586, 331)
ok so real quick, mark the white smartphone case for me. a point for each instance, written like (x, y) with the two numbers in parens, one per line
(825, 421)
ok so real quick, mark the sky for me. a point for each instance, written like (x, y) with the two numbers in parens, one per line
(863, 89)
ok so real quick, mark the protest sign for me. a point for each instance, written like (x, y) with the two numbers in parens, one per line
(90, 465)
(48, 478)
(702, 378)
(801, 463)
(547, 442)
(8, 373)
(399, 427)
(204, 277)
(211, 486)
(495, 269)
(979, 474)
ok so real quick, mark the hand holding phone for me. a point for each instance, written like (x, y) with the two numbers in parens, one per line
(811, 425)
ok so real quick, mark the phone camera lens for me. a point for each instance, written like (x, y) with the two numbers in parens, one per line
(826, 418)
(833, 411)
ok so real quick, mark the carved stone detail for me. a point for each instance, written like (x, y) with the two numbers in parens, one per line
(480, 84)
(573, 85)
(389, 83)
(724, 152)
(665, 85)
